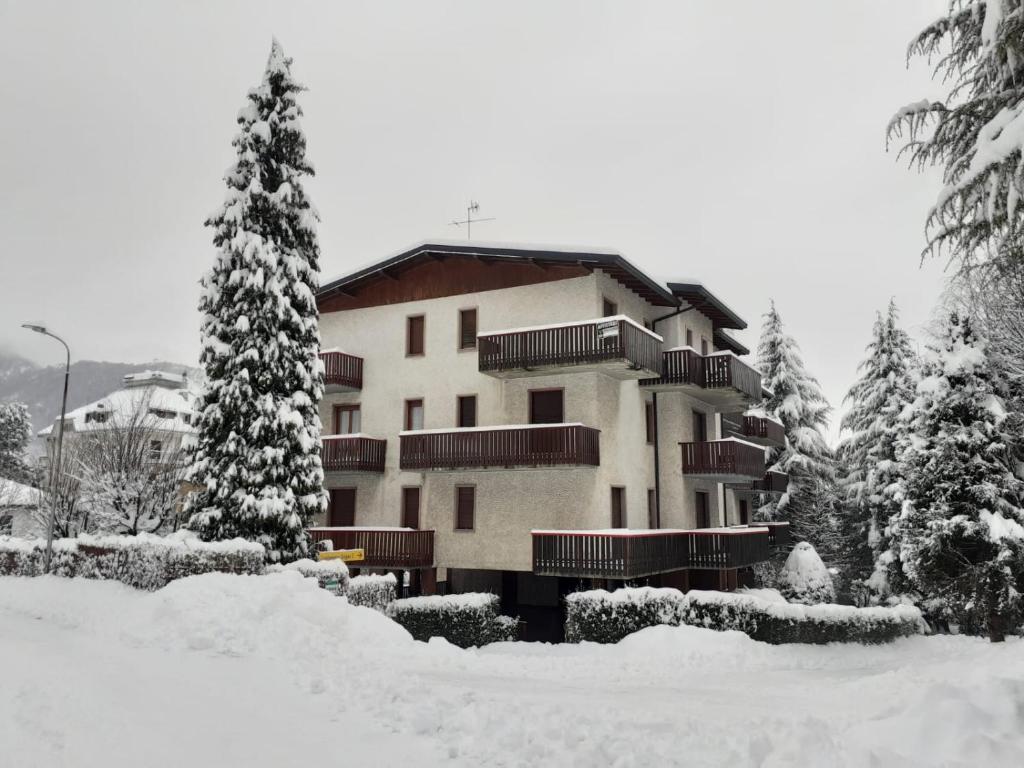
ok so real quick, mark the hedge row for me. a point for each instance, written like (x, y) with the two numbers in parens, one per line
(145, 561)
(371, 591)
(466, 620)
(607, 617)
(331, 575)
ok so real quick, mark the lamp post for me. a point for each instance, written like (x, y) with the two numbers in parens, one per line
(55, 474)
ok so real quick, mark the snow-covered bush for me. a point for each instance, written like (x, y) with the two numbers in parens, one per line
(329, 574)
(373, 591)
(607, 617)
(144, 561)
(804, 578)
(465, 620)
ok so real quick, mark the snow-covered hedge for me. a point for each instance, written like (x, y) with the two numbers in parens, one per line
(804, 578)
(466, 620)
(145, 561)
(373, 591)
(329, 574)
(607, 617)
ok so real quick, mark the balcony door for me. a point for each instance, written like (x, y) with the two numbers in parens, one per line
(703, 515)
(411, 507)
(342, 512)
(700, 427)
(413, 415)
(744, 512)
(547, 406)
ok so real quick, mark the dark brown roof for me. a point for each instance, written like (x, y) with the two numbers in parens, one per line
(700, 298)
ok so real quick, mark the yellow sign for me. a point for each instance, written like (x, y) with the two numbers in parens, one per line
(345, 555)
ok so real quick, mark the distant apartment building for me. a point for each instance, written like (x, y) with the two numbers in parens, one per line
(523, 419)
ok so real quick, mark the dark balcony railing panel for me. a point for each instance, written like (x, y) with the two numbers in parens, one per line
(764, 429)
(383, 547)
(772, 482)
(342, 370)
(554, 445)
(729, 371)
(353, 454)
(727, 548)
(778, 533)
(587, 554)
(723, 457)
(680, 366)
(568, 345)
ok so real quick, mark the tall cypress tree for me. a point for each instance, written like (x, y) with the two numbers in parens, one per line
(869, 472)
(958, 542)
(257, 455)
(976, 135)
(798, 402)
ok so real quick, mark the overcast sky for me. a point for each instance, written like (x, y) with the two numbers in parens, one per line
(740, 144)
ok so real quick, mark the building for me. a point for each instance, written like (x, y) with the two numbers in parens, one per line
(518, 419)
(19, 505)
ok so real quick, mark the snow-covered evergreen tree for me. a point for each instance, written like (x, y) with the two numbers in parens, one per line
(869, 471)
(959, 540)
(804, 578)
(257, 454)
(977, 134)
(798, 402)
(15, 434)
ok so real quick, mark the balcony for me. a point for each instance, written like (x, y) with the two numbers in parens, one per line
(754, 428)
(505, 447)
(724, 461)
(778, 534)
(614, 345)
(720, 379)
(633, 554)
(773, 482)
(352, 453)
(342, 372)
(398, 548)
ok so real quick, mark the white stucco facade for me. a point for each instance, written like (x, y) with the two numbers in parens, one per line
(512, 502)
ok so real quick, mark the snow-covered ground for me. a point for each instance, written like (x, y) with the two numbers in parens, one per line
(221, 670)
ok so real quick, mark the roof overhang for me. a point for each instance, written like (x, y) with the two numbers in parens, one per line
(724, 341)
(608, 261)
(701, 299)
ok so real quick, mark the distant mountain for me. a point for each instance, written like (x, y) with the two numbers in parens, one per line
(40, 387)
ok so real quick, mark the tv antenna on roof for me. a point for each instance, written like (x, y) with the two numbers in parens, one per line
(472, 208)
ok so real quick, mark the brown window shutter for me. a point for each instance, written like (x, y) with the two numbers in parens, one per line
(467, 329)
(467, 410)
(547, 406)
(465, 506)
(410, 507)
(700, 427)
(703, 513)
(414, 336)
(649, 421)
(343, 507)
(618, 507)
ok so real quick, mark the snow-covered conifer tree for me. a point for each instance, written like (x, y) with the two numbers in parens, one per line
(869, 471)
(977, 134)
(959, 539)
(804, 578)
(15, 433)
(798, 402)
(257, 454)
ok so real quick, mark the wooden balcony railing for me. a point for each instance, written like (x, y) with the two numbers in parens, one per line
(722, 548)
(342, 372)
(572, 344)
(352, 453)
(635, 554)
(541, 445)
(719, 378)
(778, 533)
(728, 457)
(383, 547)
(764, 429)
(608, 554)
(772, 482)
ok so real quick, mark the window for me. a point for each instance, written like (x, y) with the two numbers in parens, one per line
(547, 406)
(700, 427)
(99, 417)
(160, 413)
(347, 419)
(156, 449)
(414, 335)
(704, 346)
(466, 411)
(689, 337)
(413, 414)
(411, 507)
(652, 509)
(467, 329)
(649, 420)
(609, 308)
(618, 507)
(342, 512)
(465, 507)
(648, 324)
(703, 511)
(744, 512)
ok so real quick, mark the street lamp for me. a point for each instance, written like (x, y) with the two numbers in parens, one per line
(55, 474)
